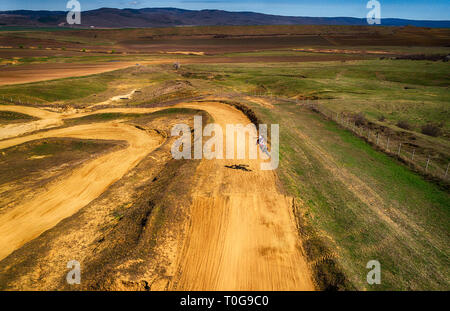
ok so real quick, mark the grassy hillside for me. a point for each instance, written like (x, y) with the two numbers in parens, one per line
(398, 89)
(362, 204)
(355, 204)
(217, 39)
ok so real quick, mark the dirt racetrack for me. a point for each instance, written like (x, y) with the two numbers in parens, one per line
(48, 119)
(241, 236)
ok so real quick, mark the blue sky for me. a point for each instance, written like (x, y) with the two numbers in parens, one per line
(413, 9)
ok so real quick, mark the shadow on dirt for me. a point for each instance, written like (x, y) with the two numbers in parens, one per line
(242, 167)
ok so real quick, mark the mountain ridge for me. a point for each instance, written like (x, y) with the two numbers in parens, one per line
(169, 17)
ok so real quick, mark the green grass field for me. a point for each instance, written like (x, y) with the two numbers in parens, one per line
(416, 91)
(385, 92)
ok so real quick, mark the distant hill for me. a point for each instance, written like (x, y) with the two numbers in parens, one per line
(168, 17)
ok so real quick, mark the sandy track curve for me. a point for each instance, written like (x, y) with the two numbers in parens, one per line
(62, 199)
(242, 234)
(48, 119)
(32, 111)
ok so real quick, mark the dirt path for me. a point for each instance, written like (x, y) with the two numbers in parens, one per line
(62, 199)
(48, 120)
(242, 234)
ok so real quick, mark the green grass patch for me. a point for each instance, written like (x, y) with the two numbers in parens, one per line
(31, 159)
(57, 90)
(8, 117)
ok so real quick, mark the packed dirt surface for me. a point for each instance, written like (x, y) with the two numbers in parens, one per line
(48, 120)
(260, 101)
(241, 235)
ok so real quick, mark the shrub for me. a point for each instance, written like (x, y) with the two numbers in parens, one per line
(360, 119)
(431, 130)
(404, 125)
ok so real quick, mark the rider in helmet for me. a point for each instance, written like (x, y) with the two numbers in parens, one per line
(262, 144)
